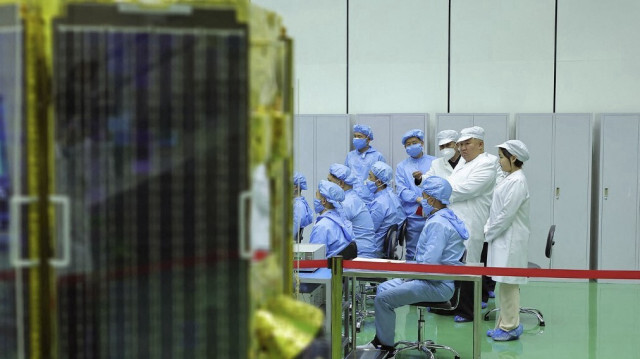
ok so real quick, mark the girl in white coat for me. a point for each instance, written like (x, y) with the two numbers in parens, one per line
(507, 232)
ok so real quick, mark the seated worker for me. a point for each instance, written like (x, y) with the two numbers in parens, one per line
(354, 210)
(385, 208)
(441, 242)
(302, 214)
(410, 194)
(361, 158)
(331, 229)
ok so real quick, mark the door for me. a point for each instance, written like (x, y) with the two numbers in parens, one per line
(452, 121)
(572, 190)
(495, 130)
(618, 192)
(536, 131)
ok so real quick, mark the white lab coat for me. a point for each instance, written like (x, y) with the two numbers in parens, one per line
(507, 229)
(439, 167)
(472, 187)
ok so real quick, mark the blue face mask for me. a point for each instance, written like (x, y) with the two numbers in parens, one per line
(414, 150)
(371, 186)
(317, 205)
(426, 208)
(359, 143)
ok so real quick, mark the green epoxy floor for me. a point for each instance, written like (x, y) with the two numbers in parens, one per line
(584, 320)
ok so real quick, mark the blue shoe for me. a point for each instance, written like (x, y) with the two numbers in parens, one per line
(483, 305)
(492, 294)
(503, 336)
(517, 331)
(459, 319)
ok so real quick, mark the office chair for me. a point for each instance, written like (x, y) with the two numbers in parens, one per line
(389, 246)
(547, 252)
(428, 346)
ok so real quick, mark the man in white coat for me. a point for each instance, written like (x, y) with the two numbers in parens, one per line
(472, 182)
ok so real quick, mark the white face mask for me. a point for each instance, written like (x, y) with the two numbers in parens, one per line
(447, 153)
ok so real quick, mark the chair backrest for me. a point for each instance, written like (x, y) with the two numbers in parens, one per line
(390, 242)
(402, 232)
(548, 250)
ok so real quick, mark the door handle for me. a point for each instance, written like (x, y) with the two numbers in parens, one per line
(606, 193)
(15, 234)
(243, 243)
(557, 192)
(63, 201)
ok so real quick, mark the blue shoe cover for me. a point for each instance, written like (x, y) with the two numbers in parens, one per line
(483, 305)
(490, 332)
(503, 336)
(492, 294)
(517, 331)
(459, 319)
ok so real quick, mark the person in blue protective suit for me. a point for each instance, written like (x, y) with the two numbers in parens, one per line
(361, 158)
(441, 242)
(302, 214)
(409, 193)
(331, 229)
(385, 208)
(355, 210)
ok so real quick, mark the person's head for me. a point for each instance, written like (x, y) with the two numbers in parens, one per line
(362, 136)
(328, 196)
(380, 174)
(471, 142)
(512, 154)
(299, 184)
(447, 143)
(436, 192)
(341, 175)
(413, 142)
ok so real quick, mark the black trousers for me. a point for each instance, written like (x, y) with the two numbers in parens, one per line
(465, 307)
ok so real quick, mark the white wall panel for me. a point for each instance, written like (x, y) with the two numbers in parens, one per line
(397, 56)
(502, 55)
(598, 68)
(319, 31)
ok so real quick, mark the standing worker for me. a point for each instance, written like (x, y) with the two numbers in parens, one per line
(507, 232)
(410, 194)
(362, 158)
(448, 160)
(472, 182)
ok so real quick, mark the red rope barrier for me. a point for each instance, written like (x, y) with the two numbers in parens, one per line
(469, 270)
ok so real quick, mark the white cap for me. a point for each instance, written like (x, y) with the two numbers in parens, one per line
(447, 136)
(471, 132)
(516, 148)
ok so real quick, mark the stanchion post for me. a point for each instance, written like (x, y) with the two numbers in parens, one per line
(336, 306)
